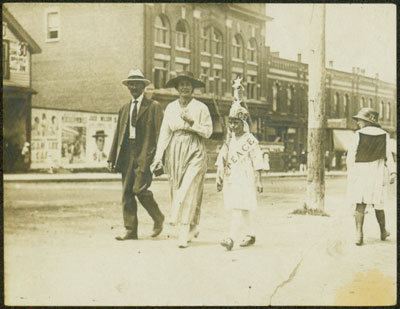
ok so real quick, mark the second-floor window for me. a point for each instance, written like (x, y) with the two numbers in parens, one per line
(388, 111)
(160, 73)
(6, 59)
(252, 50)
(217, 42)
(275, 90)
(251, 87)
(161, 30)
(370, 103)
(335, 107)
(381, 110)
(237, 45)
(205, 40)
(53, 25)
(182, 35)
(289, 92)
(362, 102)
(345, 104)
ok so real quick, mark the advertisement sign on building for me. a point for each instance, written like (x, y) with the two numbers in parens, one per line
(70, 139)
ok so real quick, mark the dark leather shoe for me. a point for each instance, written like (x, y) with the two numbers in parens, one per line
(384, 235)
(158, 227)
(127, 236)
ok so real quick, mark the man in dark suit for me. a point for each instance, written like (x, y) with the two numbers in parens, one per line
(132, 152)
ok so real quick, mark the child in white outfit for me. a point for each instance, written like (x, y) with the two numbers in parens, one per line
(239, 166)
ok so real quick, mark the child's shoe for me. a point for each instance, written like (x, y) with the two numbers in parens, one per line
(248, 240)
(227, 243)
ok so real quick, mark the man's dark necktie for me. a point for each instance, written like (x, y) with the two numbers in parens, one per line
(134, 113)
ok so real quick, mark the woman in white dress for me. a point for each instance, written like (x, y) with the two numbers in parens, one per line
(369, 160)
(186, 124)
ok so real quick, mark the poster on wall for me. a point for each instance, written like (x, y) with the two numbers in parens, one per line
(70, 139)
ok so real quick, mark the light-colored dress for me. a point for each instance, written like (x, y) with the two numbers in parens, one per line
(241, 158)
(185, 158)
(367, 180)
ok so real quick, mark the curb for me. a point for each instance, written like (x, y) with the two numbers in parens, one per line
(110, 177)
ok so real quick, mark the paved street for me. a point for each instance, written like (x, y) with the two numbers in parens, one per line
(59, 249)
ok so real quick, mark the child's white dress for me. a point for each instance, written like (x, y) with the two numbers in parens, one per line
(242, 159)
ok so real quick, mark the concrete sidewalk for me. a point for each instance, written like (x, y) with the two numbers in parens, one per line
(88, 177)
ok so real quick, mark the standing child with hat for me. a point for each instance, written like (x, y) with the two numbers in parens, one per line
(368, 159)
(239, 166)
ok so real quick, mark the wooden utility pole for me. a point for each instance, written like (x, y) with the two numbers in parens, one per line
(316, 112)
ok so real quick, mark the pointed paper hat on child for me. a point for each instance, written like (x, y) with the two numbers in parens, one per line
(237, 111)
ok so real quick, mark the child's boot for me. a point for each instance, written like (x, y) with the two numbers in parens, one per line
(248, 240)
(227, 243)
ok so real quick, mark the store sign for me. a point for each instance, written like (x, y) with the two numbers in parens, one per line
(18, 57)
(70, 139)
(337, 123)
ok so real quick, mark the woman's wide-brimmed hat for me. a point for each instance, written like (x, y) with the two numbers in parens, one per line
(368, 114)
(136, 76)
(100, 133)
(173, 82)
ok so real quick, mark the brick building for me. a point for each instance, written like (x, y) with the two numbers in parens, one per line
(88, 48)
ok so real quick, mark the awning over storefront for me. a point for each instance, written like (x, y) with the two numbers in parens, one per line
(342, 139)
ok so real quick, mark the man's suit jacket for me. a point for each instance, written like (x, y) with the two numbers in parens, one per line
(148, 123)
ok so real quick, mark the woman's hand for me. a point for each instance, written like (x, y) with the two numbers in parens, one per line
(392, 178)
(186, 117)
(156, 165)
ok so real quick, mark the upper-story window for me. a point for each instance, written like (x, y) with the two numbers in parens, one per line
(388, 111)
(289, 92)
(205, 39)
(237, 44)
(275, 90)
(161, 69)
(370, 103)
(6, 59)
(251, 87)
(252, 50)
(53, 25)
(335, 106)
(217, 42)
(362, 102)
(381, 110)
(345, 104)
(161, 28)
(182, 35)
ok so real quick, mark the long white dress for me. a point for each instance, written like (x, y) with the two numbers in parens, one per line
(367, 180)
(238, 162)
(185, 158)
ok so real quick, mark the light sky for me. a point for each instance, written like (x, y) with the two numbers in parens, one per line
(357, 35)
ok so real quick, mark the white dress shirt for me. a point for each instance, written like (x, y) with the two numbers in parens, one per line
(132, 129)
